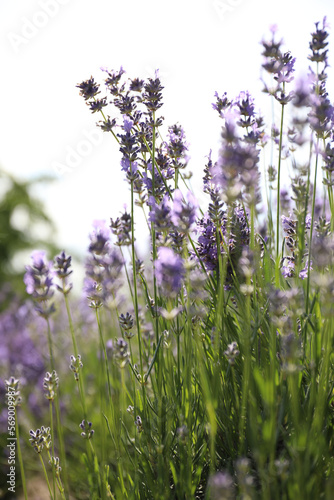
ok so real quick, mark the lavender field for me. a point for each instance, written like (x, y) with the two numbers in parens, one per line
(203, 369)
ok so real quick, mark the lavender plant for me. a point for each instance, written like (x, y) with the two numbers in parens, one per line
(208, 372)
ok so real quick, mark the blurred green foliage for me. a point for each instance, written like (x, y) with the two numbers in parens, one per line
(18, 202)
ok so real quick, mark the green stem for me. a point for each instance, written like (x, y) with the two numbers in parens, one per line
(57, 408)
(75, 348)
(279, 182)
(46, 477)
(104, 353)
(23, 478)
(52, 446)
(311, 229)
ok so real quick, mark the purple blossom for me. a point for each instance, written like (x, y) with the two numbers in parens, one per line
(104, 278)
(288, 270)
(121, 228)
(245, 104)
(221, 486)
(321, 116)
(284, 75)
(304, 272)
(103, 267)
(160, 214)
(184, 213)
(127, 124)
(237, 167)
(222, 103)
(207, 247)
(328, 156)
(62, 264)
(99, 237)
(159, 182)
(319, 43)
(152, 97)
(308, 221)
(39, 283)
(94, 292)
(89, 88)
(113, 81)
(18, 353)
(129, 146)
(235, 242)
(21, 352)
(281, 66)
(177, 146)
(169, 271)
(301, 97)
(128, 166)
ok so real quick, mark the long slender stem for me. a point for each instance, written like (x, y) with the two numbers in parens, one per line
(46, 476)
(279, 182)
(23, 478)
(57, 408)
(52, 446)
(311, 229)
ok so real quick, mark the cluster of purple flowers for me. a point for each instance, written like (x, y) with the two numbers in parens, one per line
(169, 270)
(39, 283)
(21, 352)
(103, 268)
(178, 215)
(234, 234)
(236, 174)
(280, 65)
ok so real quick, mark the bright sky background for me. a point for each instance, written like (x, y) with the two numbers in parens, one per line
(199, 46)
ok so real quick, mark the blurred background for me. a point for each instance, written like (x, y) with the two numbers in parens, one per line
(50, 145)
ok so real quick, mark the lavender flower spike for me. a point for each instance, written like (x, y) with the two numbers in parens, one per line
(184, 212)
(169, 271)
(99, 238)
(39, 282)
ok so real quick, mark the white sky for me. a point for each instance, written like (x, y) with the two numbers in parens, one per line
(199, 46)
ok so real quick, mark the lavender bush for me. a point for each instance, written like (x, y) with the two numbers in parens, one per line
(207, 371)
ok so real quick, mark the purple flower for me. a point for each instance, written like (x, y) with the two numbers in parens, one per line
(104, 279)
(99, 237)
(290, 229)
(159, 182)
(235, 242)
(39, 282)
(94, 292)
(245, 103)
(301, 96)
(128, 166)
(113, 81)
(62, 264)
(319, 43)
(160, 214)
(169, 271)
(152, 97)
(177, 146)
(281, 66)
(321, 116)
(221, 104)
(221, 486)
(207, 247)
(183, 213)
(128, 124)
(88, 88)
(121, 227)
(103, 266)
(304, 272)
(97, 105)
(237, 167)
(288, 271)
(129, 146)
